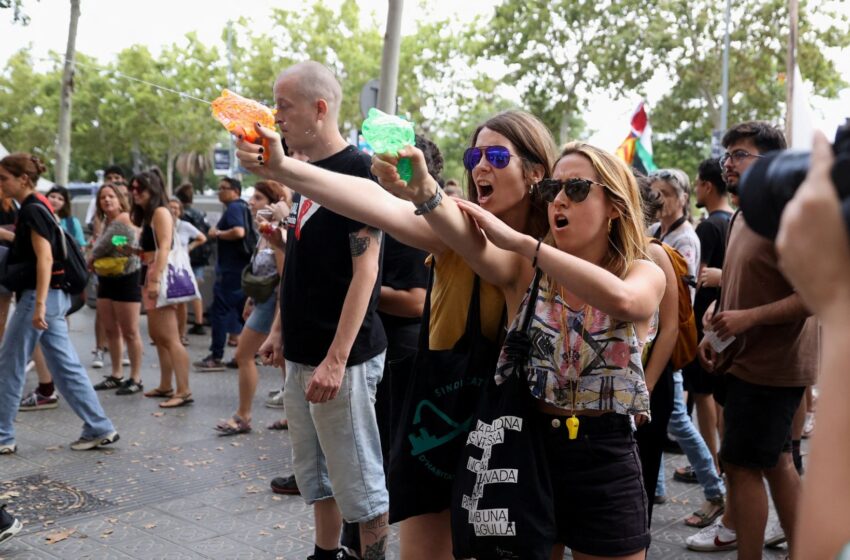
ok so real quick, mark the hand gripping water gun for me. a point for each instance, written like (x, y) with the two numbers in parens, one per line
(387, 134)
(238, 114)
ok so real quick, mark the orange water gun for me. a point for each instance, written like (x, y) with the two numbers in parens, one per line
(238, 114)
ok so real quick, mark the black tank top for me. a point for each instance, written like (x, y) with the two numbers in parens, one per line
(147, 240)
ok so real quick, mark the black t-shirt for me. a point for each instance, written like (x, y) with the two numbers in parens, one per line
(41, 220)
(403, 269)
(712, 238)
(318, 273)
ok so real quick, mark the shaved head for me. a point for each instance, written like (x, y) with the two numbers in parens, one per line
(313, 81)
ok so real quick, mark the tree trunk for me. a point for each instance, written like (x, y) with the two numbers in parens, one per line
(564, 132)
(63, 146)
(170, 157)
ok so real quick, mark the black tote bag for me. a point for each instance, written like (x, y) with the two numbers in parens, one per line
(502, 501)
(441, 397)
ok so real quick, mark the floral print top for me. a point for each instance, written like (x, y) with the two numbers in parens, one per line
(581, 359)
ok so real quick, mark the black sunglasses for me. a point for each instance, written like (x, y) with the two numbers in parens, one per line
(575, 188)
(498, 156)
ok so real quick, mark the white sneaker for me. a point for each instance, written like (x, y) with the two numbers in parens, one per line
(715, 537)
(125, 361)
(97, 362)
(774, 536)
(809, 426)
(275, 401)
(84, 444)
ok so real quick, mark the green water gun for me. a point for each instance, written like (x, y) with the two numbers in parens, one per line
(387, 134)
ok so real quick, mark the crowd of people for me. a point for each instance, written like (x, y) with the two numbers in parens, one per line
(400, 311)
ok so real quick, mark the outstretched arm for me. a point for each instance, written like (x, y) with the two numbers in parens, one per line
(354, 197)
(633, 298)
(448, 221)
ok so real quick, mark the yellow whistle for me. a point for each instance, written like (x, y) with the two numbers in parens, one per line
(572, 427)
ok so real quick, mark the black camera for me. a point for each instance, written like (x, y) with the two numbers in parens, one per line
(769, 184)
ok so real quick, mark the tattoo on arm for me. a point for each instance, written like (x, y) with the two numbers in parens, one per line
(359, 243)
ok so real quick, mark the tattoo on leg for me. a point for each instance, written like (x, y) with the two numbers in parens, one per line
(377, 551)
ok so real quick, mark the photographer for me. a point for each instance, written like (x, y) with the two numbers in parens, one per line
(813, 219)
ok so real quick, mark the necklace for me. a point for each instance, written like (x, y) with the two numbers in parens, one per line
(573, 421)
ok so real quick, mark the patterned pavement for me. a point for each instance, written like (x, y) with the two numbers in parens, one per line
(172, 489)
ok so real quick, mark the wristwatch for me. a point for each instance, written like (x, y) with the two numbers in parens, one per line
(430, 204)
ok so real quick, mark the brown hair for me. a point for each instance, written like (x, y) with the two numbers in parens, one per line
(535, 146)
(626, 238)
(152, 182)
(122, 200)
(22, 163)
(272, 190)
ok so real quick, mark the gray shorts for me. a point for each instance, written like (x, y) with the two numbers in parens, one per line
(336, 448)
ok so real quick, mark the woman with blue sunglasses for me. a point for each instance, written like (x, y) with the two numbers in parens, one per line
(511, 152)
(591, 319)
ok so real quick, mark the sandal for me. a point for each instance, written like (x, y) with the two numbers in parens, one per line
(227, 429)
(177, 401)
(158, 393)
(707, 514)
(279, 425)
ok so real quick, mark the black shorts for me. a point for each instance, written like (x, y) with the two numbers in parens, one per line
(120, 288)
(697, 380)
(757, 423)
(600, 502)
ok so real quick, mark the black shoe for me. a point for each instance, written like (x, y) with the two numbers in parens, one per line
(9, 525)
(198, 329)
(341, 554)
(659, 500)
(686, 474)
(109, 382)
(232, 364)
(285, 485)
(129, 387)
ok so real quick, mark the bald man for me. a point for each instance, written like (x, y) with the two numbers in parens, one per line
(333, 341)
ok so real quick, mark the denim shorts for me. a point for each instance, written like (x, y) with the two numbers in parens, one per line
(262, 317)
(757, 422)
(336, 448)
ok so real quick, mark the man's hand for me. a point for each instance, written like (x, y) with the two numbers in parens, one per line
(326, 380)
(212, 233)
(271, 351)
(709, 315)
(707, 356)
(732, 323)
(710, 277)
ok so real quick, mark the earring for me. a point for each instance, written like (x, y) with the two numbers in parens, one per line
(610, 224)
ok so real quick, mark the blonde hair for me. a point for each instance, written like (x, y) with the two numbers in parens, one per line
(626, 237)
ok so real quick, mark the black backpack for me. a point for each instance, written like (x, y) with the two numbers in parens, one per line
(199, 256)
(249, 242)
(70, 272)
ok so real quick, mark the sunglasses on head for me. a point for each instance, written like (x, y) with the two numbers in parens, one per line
(575, 188)
(497, 156)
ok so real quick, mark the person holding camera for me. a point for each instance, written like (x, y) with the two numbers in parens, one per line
(770, 361)
(813, 219)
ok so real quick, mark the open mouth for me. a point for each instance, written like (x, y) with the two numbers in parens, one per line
(484, 192)
(561, 222)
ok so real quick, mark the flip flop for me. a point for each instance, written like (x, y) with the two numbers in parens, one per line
(279, 425)
(158, 393)
(181, 401)
(226, 429)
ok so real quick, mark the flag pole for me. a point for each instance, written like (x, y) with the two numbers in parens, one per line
(790, 70)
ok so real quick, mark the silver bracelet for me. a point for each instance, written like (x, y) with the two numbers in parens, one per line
(430, 204)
